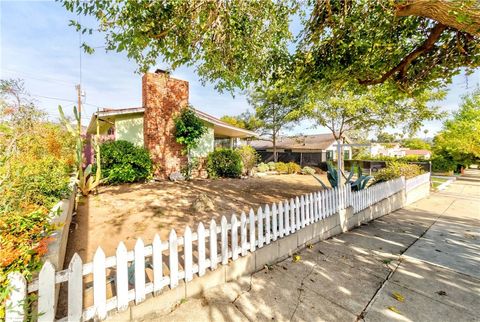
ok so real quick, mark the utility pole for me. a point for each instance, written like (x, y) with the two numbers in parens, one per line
(79, 108)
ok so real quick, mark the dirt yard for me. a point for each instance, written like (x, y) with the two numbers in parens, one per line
(126, 212)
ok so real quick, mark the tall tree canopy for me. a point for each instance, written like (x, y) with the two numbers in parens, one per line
(412, 43)
(459, 139)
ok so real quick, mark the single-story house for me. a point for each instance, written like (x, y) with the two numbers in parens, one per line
(421, 153)
(303, 149)
(387, 150)
(153, 127)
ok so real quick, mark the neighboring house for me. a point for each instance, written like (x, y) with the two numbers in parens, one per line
(153, 127)
(386, 150)
(304, 150)
(421, 153)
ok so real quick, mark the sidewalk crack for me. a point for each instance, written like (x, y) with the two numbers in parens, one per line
(300, 290)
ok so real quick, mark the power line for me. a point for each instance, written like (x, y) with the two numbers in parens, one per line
(35, 77)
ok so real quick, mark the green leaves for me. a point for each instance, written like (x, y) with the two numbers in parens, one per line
(189, 128)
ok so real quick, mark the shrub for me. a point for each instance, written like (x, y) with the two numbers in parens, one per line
(443, 163)
(272, 166)
(249, 157)
(292, 168)
(122, 162)
(281, 167)
(224, 163)
(396, 170)
(262, 167)
(308, 170)
(188, 129)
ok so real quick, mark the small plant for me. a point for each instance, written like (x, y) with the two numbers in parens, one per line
(396, 170)
(224, 163)
(281, 167)
(249, 158)
(123, 162)
(332, 175)
(308, 170)
(271, 166)
(262, 167)
(293, 168)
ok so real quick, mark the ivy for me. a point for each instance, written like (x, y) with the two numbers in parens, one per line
(188, 129)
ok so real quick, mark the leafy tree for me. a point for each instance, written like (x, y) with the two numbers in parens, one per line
(276, 107)
(459, 139)
(385, 137)
(416, 144)
(246, 120)
(412, 43)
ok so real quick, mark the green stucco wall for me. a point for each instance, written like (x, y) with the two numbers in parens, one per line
(129, 128)
(205, 144)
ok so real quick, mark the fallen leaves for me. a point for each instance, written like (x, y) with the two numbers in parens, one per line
(399, 297)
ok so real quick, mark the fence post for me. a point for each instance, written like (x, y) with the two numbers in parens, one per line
(15, 300)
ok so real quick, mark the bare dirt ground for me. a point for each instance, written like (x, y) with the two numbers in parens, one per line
(131, 211)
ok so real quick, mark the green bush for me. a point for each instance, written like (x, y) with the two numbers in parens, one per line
(123, 162)
(308, 170)
(396, 170)
(225, 163)
(249, 157)
(189, 128)
(272, 166)
(281, 167)
(292, 168)
(262, 167)
(443, 163)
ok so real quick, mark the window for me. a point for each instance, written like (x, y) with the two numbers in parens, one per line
(346, 155)
(329, 155)
(222, 143)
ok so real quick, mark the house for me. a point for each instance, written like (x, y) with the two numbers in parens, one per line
(152, 125)
(425, 154)
(386, 150)
(303, 149)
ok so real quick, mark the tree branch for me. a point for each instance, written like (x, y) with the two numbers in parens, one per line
(402, 67)
(446, 12)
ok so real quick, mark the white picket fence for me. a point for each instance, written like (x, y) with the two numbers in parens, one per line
(180, 258)
(412, 183)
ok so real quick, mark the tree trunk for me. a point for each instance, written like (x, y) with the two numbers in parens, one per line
(274, 142)
(467, 17)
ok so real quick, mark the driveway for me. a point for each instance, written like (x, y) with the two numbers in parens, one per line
(420, 263)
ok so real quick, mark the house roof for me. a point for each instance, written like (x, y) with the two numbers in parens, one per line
(303, 142)
(417, 152)
(221, 129)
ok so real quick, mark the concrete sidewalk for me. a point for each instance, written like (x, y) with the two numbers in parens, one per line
(428, 254)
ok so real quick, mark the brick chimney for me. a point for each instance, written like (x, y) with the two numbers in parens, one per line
(163, 99)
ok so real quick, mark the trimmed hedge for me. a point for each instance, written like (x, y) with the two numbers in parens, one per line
(124, 162)
(226, 163)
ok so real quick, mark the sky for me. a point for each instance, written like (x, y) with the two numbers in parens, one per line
(38, 46)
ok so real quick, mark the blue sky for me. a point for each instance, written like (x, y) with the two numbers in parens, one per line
(38, 46)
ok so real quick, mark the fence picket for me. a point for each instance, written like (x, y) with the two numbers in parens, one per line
(75, 288)
(302, 211)
(293, 209)
(202, 265)
(298, 211)
(274, 222)
(251, 219)
(224, 240)
(46, 292)
(121, 282)
(157, 263)
(139, 271)
(280, 219)
(14, 304)
(286, 214)
(213, 245)
(260, 227)
(234, 236)
(310, 209)
(99, 284)
(322, 205)
(243, 233)
(267, 225)
(173, 258)
(188, 254)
